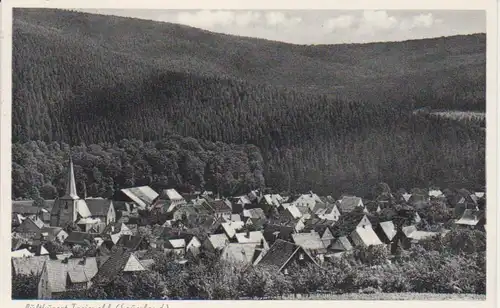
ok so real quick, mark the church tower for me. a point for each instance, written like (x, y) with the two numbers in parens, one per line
(65, 209)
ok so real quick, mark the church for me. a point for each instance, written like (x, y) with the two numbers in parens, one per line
(89, 214)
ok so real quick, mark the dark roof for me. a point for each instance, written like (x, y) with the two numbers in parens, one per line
(113, 266)
(220, 206)
(24, 207)
(280, 253)
(77, 237)
(98, 207)
(131, 242)
(283, 232)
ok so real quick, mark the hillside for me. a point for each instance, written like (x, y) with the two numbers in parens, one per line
(326, 117)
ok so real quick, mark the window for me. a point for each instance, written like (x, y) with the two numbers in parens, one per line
(301, 256)
(66, 205)
(285, 271)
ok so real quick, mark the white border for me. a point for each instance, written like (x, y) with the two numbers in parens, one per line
(491, 139)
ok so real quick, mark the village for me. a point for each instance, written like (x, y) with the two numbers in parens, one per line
(73, 241)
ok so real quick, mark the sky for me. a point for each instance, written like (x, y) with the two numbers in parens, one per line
(320, 26)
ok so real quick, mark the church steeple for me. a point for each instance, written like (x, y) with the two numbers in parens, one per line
(70, 184)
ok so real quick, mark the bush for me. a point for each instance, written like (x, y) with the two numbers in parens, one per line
(24, 286)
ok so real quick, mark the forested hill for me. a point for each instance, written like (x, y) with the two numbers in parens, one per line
(331, 118)
(62, 58)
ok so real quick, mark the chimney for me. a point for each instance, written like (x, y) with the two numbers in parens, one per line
(112, 229)
(248, 233)
(65, 260)
(83, 261)
(84, 190)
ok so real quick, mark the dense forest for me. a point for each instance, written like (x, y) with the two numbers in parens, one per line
(149, 103)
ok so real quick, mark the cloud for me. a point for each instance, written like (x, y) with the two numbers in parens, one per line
(340, 22)
(279, 18)
(210, 19)
(378, 20)
(420, 21)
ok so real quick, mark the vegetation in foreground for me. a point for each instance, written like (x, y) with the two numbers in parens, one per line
(455, 263)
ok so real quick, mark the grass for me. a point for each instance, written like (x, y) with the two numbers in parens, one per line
(390, 296)
(459, 115)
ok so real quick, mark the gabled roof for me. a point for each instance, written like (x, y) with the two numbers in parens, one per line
(273, 199)
(342, 243)
(175, 243)
(122, 260)
(309, 241)
(470, 217)
(218, 241)
(406, 197)
(239, 253)
(250, 237)
(280, 253)
(220, 206)
(171, 194)
(116, 227)
(294, 211)
(233, 218)
(230, 228)
(389, 229)
(76, 237)
(51, 232)
(27, 266)
(131, 242)
(98, 206)
(78, 270)
(144, 196)
(365, 236)
(22, 253)
(24, 207)
(435, 193)
(349, 203)
(254, 213)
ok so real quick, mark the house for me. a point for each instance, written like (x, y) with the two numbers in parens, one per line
(471, 218)
(271, 200)
(465, 202)
(143, 197)
(374, 207)
(58, 276)
(240, 253)
(28, 266)
(419, 201)
(365, 237)
(169, 201)
(310, 242)
(233, 218)
(308, 201)
(36, 247)
(348, 203)
(30, 225)
(273, 232)
(119, 262)
(116, 230)
(436, 193)
(221, 208)
(102, 209)
(282, 254)
(255, 213)
(53, 234)
(80, 238)
(292, 212)
(21, 253)
(332, 214)
(177, 246)
(341, 244)
(364, 222)
(255, 237)
(69, 208)
(408, 235)
(91, 224)
(229, 228)
(406, 197)
(133, 242)
(216, 242)
(386, 231)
